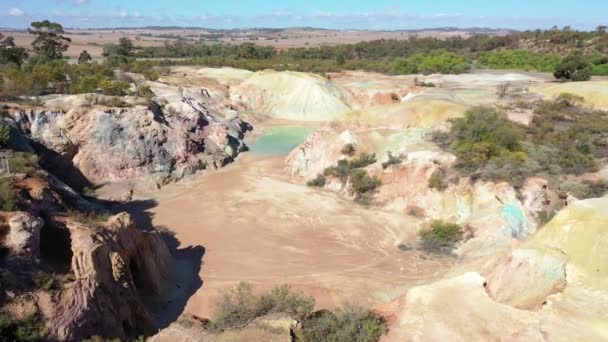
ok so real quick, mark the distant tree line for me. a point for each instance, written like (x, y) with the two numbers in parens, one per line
(569, 54)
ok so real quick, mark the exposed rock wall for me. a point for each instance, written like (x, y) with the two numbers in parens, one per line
(163, 141)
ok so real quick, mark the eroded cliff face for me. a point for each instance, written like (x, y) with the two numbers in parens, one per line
(550, 288)
(496, 214)
(180, 132)
(114, 267)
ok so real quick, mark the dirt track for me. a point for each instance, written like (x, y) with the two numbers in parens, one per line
(256, 227)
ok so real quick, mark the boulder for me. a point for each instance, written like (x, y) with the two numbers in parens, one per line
(24, 234)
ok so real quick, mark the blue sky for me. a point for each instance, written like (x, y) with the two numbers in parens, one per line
(335, 14)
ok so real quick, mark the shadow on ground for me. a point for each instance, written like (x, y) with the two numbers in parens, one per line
(188, 262)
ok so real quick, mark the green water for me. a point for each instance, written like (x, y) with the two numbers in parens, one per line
(280, 140)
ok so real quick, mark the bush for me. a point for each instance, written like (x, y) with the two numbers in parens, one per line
(584, 189)
(8, 195)
(319, 181)
(27, 330)
(240, 306)
(392, 160)
(114, 88)
(363, 160)
(483, 134)
(437, 180)
(151, 75)
(22, 162)
(341, 170)
(435, 61)
(349, 150)
(573, 68)
(362, 183)
(46, 281)
(349, 324)
(440, 237)
(5, 135)
(518, 60)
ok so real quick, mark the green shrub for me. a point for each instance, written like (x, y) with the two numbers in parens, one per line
(573, 68)
(151, 75)
(392, 160)
(114, 88)
(568, 100)
(349, 150)
(46, 281)
(319, 181)
(349, 324)
(22, 162)
(341, 170)
(483, 134)
(584, 189)
(440, 237)
(8, 195)
(363, 160)
(518, 60)
(240, 306)
(435, 61)
(5, 135)
(362, 183)
(27, 330)
(437, 180)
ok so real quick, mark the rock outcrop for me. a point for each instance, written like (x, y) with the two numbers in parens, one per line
(178, 134)
(551, 288)
(115, 268)
(24, 234)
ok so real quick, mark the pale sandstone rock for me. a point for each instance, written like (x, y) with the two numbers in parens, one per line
(24, 234)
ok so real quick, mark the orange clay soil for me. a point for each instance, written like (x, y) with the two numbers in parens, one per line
(257, 227)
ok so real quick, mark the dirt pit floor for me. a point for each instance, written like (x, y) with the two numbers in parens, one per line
(257, 227)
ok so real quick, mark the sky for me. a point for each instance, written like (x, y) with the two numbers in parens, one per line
(334, 14)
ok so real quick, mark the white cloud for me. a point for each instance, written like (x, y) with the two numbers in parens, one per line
(121, 14)
(16, 12)
(81, 2)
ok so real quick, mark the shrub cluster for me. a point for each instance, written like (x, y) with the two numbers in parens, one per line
(440, 237)
(562, 138)
(362, 183)
(436, 61)
(26, 330)
(392, 160)
(437, 180)
(240, 305)
(319, 181)
(351, 323)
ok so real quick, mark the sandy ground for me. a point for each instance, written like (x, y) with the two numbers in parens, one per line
(255, 226)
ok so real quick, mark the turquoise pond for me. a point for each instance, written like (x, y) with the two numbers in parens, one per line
(280, 140)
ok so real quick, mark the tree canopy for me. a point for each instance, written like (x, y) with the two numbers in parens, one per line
(50, 41)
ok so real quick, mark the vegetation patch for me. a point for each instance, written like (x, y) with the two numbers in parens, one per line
(27, 330)
(319, 181)
(438, 180)
(8, 195)
(393, 160)
(240, 305)
(349, 150)
(362, 183)
(350, 323)
(561, 139)
(440, 237)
